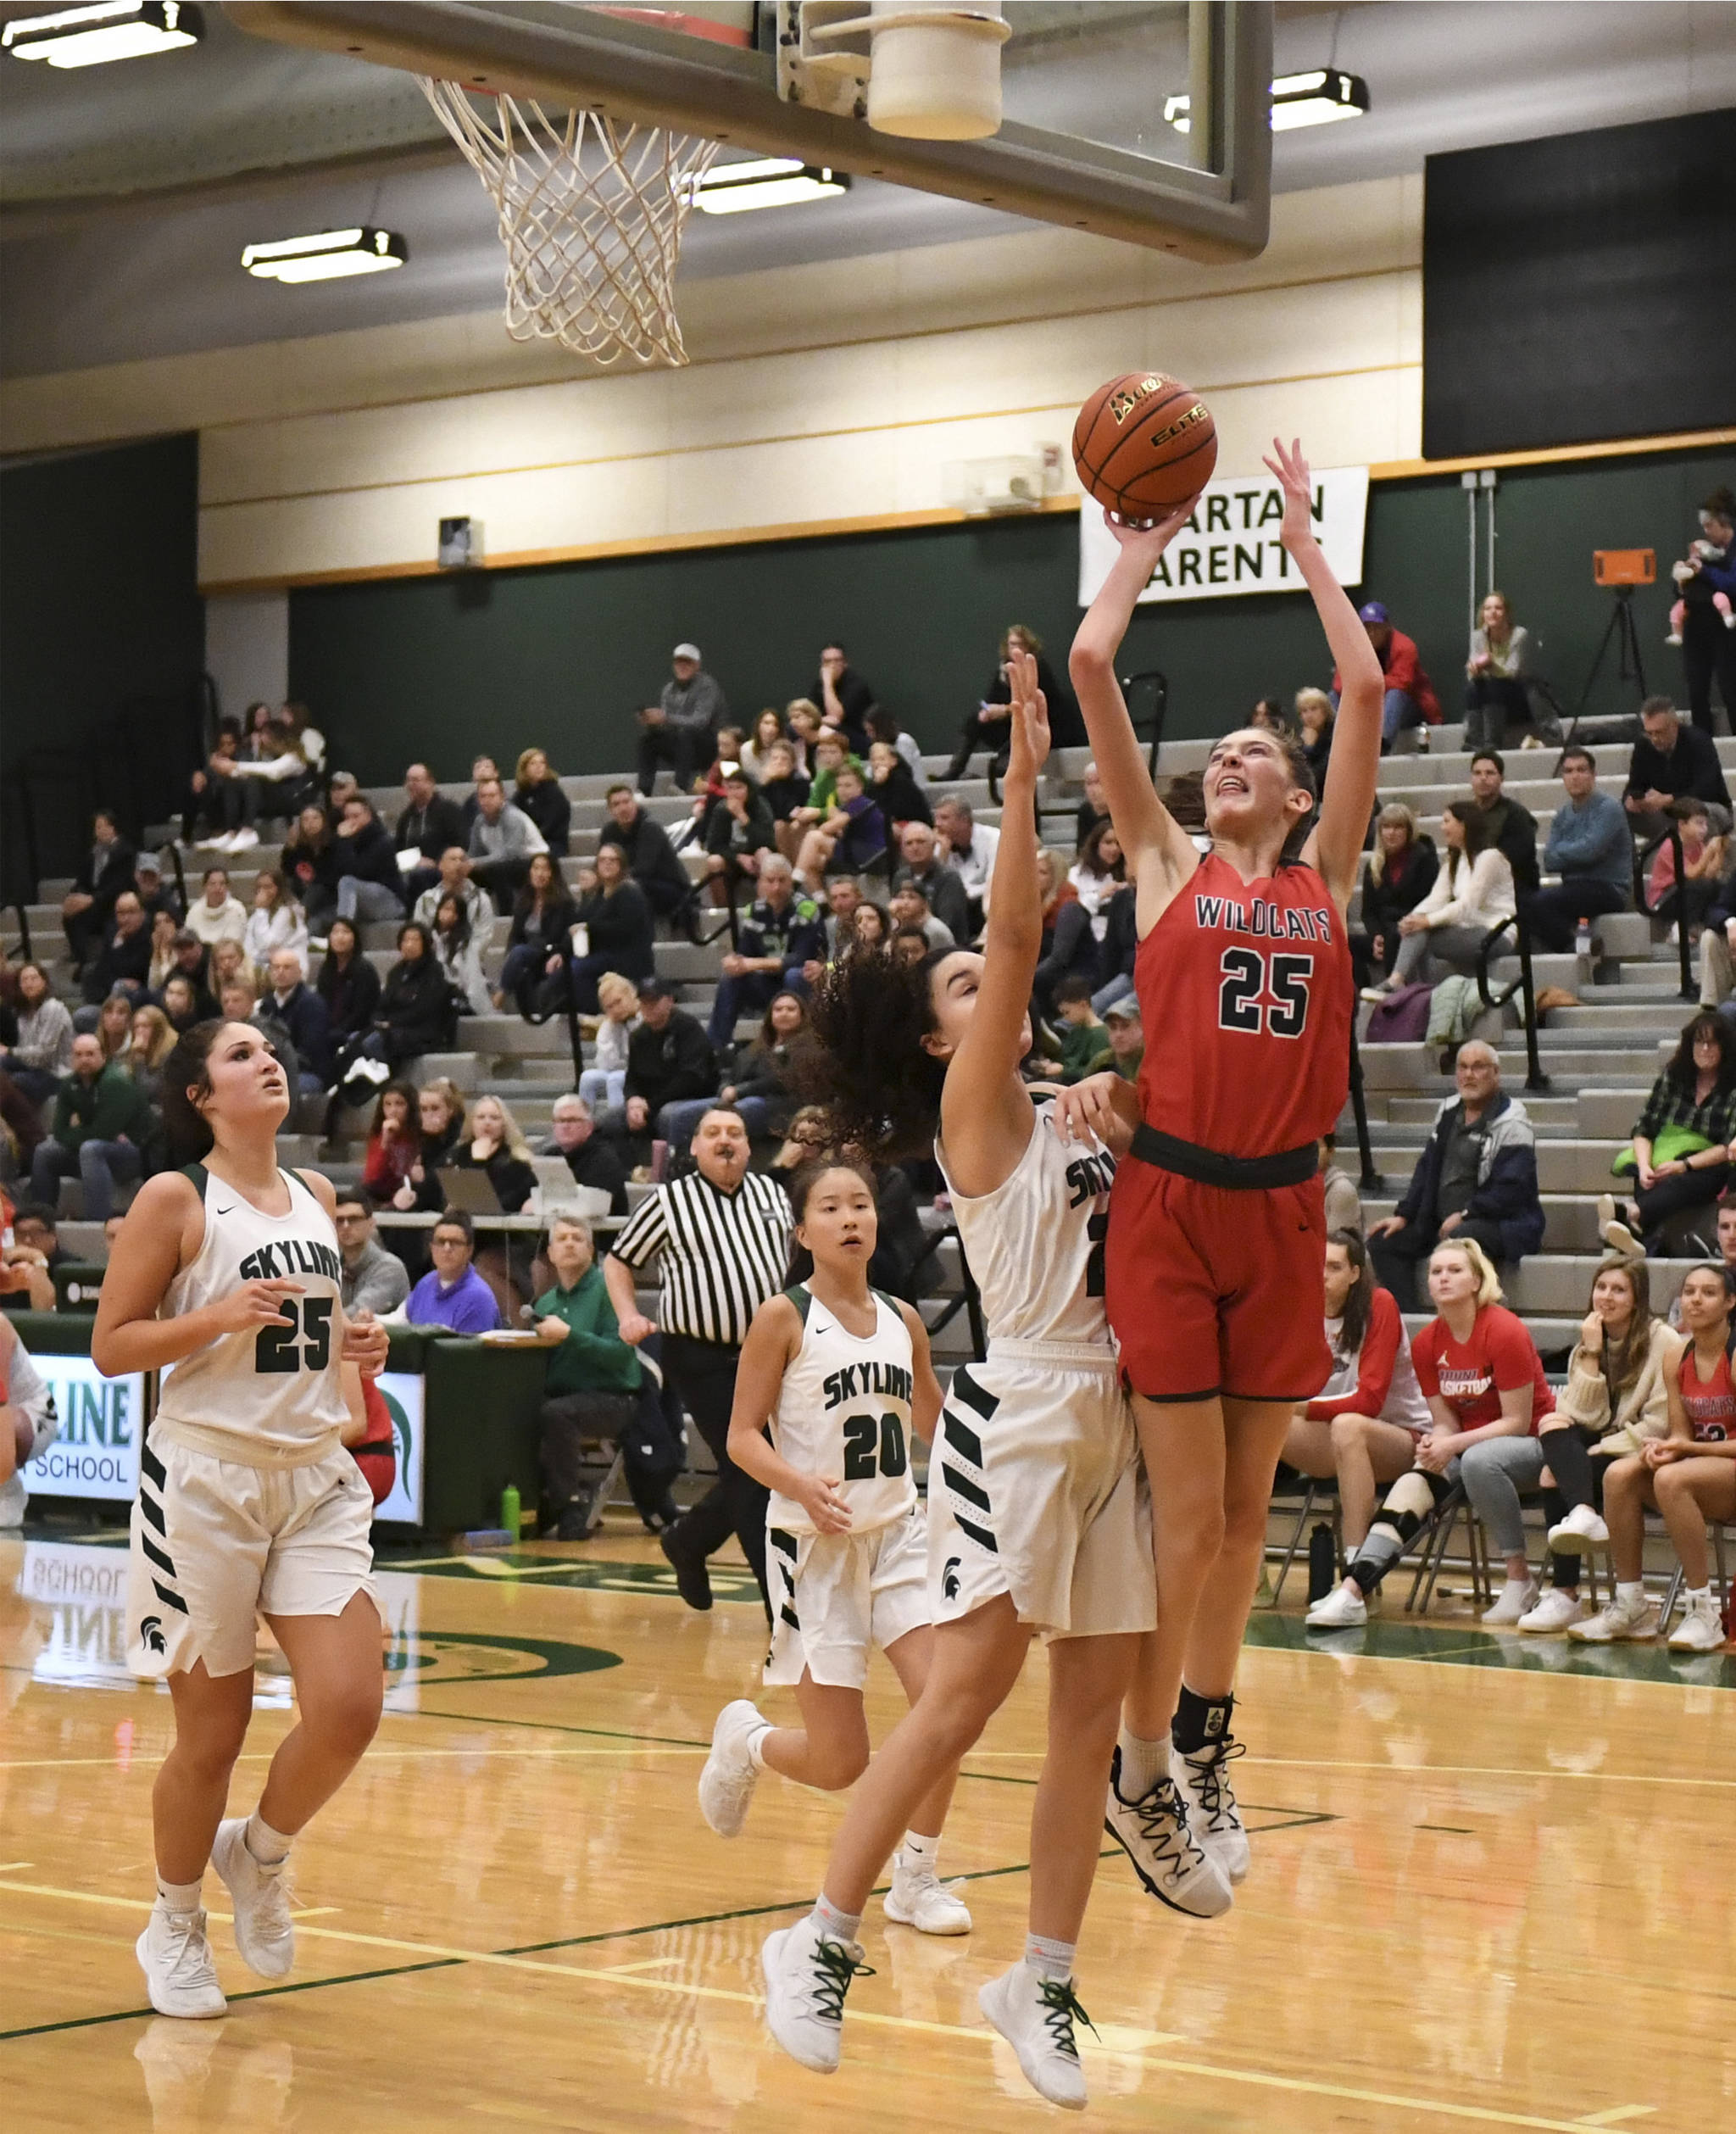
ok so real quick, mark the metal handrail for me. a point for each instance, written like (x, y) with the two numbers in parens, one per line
(969, 1299)
(1371, 1181)
(1671, 834)
(1535, 1078)
(562, 1003)
(174, 852)
(23, 930)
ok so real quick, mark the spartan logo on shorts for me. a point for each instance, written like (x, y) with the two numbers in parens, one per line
(151, 1635)
(949, 1578)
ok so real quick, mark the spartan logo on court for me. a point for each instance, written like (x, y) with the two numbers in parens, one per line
(151, 1635)
(949, 1578)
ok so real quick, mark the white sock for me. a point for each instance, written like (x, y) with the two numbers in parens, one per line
(920, 1854)
(1049, 1960)
(270, 1847)
(1518, 1586)
(1142, 1765)
(1692, 1596)
(835, 1925)
(1630, 1589)
(756, 1744)
(180, 1897)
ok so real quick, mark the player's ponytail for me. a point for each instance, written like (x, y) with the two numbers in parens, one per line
(877, 1083)
(185, 1075)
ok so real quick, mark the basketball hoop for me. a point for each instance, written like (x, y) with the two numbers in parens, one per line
(591, 212)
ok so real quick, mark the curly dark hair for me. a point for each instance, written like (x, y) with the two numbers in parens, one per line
(878, 1084)
(1681, 1070)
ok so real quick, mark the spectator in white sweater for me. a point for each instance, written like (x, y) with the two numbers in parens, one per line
(604, 1081)
(217, 915)
(275, 922)
(1472, 892)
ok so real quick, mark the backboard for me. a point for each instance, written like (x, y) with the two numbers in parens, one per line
(1084, 141)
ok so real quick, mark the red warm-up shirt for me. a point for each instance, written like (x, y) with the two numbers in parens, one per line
(1471, 1376)
(1374, 1365)
(1401, 664)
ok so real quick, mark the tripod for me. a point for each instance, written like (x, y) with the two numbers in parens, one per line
(1630, 668)
(1627, 639)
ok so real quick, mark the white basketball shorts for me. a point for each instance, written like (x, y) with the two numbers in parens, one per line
(216, 1541)
(1036, 1490)
(834, 1594)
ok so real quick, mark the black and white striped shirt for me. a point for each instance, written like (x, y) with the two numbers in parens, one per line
(723, 1254)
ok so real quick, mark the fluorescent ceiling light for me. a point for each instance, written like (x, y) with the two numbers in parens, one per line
(90, 37)
(1316, 98)
(780, 181)
(329, 256)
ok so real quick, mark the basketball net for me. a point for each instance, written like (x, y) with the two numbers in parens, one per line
(591, 214)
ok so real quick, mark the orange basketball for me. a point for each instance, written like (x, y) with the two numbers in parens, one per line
(1143, 444)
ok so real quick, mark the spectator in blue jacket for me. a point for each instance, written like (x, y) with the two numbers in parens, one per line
(1477, 1178)
(781, 932)
(1589, 845)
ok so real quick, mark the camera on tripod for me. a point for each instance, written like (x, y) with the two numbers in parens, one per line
(1625, 566)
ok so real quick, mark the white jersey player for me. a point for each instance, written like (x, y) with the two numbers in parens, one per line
(226, 1278)
(1033, 1499)
(842, 1377)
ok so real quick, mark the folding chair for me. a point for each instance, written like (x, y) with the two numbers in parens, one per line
(1432, 1540)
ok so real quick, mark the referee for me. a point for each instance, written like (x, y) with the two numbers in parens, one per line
(724, 1239)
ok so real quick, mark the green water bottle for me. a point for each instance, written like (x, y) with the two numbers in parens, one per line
(509, 1510)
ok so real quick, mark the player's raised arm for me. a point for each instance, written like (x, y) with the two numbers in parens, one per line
(1334, 845)
(1149, 834)
(985, 1111)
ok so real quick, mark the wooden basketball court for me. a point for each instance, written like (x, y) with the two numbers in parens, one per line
(1485, 1892)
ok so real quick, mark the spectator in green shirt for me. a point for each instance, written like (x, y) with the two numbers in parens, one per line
(592, 1391)
(101, 1120)
(1084, 1036)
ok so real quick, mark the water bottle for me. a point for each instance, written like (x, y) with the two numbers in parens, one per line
(509, 1516)
(1322, 1562)
(1581, 939)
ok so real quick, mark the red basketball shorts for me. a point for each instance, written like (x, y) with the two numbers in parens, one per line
(1213, 1290)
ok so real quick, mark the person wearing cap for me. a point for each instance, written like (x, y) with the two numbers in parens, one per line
(670, 1060)
(1127, 1036)
(1411, 700)
(679, 728)
(148, 887)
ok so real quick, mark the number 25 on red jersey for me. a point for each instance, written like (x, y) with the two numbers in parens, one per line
(1264, 990)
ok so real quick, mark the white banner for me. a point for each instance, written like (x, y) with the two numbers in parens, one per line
(1230, 547)
(405, 1392)
(102, 1423)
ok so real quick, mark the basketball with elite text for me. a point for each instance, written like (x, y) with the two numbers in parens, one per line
(1143, 443)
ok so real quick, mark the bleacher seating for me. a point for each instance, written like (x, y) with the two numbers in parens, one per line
(1600, 1056)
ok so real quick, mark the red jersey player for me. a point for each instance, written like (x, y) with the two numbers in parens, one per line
(1216, 1237)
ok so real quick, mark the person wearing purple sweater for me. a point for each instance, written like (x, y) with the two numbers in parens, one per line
(452, 1294)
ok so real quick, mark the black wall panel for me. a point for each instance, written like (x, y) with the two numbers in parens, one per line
(443, 667)
(1580, 288)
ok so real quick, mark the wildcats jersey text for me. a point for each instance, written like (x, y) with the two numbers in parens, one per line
(843, 1410)
(1245, 992)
